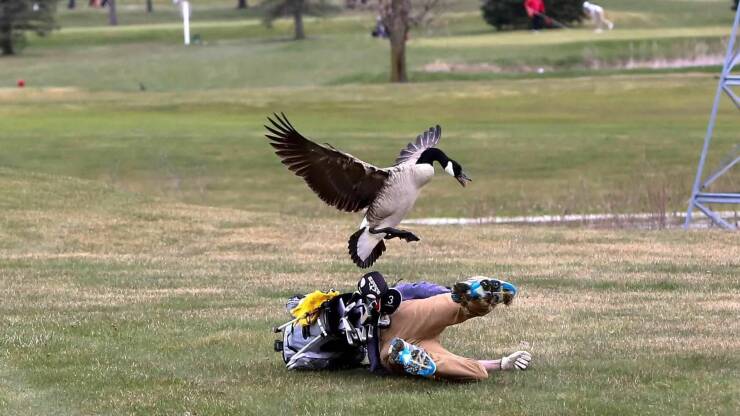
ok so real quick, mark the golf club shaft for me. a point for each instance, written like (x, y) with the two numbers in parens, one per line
(544, 16)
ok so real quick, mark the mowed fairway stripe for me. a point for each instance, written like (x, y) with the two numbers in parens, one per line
(565, 36)
(153, 27)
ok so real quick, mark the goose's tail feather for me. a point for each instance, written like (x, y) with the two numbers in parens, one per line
(365, 247)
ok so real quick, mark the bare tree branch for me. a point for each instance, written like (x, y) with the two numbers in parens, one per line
(398, 17)
(424, 15)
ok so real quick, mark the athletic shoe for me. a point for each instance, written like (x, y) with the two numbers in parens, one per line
(481, 288)
(415, 360)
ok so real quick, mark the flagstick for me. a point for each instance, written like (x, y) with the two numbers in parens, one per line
(185, 6)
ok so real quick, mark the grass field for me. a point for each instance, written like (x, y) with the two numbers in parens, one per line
(149, 239)
(240, 52)
(117, 303)
(611, 144)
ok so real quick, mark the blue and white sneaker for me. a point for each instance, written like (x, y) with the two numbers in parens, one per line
(415, 360)
(493, 291)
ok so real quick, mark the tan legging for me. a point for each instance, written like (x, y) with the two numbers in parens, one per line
(421, 321)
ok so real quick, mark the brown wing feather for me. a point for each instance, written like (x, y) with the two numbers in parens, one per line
(339, 179)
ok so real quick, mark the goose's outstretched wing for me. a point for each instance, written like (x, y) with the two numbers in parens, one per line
(424, 141)
(339, 179)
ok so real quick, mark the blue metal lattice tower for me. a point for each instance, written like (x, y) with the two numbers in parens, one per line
(700, 198)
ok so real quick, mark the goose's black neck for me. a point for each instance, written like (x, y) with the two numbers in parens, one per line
(433, 154)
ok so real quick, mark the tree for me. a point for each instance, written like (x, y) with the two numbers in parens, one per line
(510, 14)
(112, 14)
(569, 12)
(398, 17)
(149, 6)
(20, 16)
(273, 9)
(242, 4)
(503, 14)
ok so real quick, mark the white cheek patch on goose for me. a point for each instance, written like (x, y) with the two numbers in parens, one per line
(449, 169)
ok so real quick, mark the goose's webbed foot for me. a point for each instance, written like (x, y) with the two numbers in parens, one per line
(395, 233)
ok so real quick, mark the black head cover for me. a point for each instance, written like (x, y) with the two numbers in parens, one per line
(374, 290)
(390, 301)
(372, 285)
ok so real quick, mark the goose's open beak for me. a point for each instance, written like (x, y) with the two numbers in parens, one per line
(463, 179)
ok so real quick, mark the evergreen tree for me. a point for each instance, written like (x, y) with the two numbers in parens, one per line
(510, 14)
(20, 16)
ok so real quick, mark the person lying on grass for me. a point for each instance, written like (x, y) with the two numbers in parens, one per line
(411, 343)
(396, 330)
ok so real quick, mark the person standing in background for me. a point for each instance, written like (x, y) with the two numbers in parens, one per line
(596, 14)
(536, 11)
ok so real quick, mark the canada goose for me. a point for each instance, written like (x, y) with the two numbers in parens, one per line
(349, 184)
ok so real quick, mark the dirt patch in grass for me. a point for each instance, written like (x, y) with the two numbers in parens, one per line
(441, 66)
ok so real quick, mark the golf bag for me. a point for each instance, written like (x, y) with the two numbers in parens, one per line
(338, 336)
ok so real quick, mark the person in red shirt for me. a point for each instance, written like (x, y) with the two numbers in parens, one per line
(536, 12)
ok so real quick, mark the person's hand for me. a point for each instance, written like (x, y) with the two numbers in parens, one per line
(516, 361)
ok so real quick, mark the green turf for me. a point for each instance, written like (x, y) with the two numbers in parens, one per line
(606, 144)
(240, 52)
(119, 303)
(149, 239)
